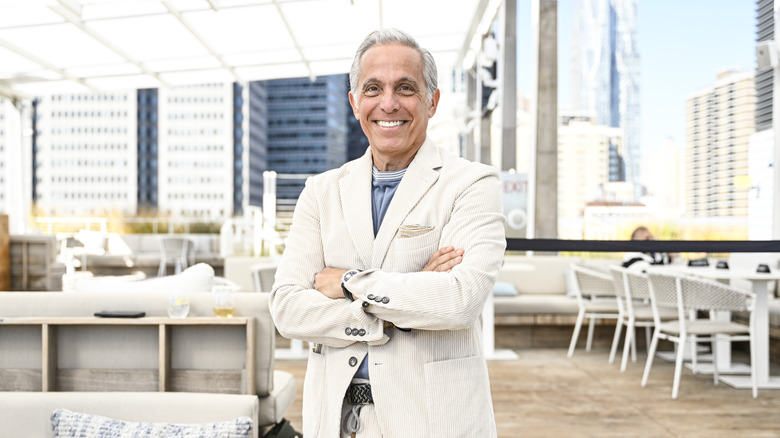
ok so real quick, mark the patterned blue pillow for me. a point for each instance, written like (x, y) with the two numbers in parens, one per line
(67, 424)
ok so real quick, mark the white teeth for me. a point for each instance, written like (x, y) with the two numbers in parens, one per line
(389, 124)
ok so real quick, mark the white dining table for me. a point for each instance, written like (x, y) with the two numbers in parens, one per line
(760, 285)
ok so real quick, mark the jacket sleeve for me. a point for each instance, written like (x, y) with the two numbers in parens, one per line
(298, 310)
(441, 300)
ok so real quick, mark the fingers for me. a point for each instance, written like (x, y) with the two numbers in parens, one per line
(444, 259)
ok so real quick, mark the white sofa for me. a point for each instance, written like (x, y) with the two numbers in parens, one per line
(117, 254)
(25, 411)
(542, 292)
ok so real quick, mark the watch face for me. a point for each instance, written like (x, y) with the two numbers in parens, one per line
(349, 274)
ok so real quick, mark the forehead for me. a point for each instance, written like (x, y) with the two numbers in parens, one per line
(383, 61)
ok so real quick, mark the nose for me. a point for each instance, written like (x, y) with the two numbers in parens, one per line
(389, 102)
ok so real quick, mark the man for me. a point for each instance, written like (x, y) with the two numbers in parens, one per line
(640, 261)
(390, 293)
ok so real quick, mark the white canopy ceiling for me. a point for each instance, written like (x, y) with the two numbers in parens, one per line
(70, 45)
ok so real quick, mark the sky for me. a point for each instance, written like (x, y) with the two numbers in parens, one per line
(683, 44)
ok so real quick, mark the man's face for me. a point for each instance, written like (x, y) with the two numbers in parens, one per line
(391, 104)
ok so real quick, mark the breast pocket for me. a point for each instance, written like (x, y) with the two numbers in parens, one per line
(412, 253)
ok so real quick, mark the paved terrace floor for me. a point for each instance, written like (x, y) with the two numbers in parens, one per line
(545, 394)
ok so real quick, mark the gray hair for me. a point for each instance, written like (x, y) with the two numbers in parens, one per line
(388, 36)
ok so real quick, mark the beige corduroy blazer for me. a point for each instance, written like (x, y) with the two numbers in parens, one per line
(430, 381)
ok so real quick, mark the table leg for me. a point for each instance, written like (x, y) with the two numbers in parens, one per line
(489, 334)
(761, 344)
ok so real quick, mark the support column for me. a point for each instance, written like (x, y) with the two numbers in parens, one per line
(544, 221)
(508, 88)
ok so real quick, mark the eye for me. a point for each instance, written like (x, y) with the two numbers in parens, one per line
(406, 90)
(371, 90)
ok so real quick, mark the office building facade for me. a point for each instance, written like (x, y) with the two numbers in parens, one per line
(605, 72)
(306, 130)
(720, 121)
(85, 155)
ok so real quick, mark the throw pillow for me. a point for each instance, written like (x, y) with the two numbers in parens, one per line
(504, 288)
(67, 424)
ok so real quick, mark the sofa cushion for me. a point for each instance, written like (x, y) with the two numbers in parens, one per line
(68, 424)
(535, 304)
(504, 288)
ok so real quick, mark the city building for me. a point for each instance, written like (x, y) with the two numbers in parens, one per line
(85, 154)
(605, 72)
(589, 157)
(307, 130)
(719, 122)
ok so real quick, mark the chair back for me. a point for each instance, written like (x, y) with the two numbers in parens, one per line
(593, 283)
(618, 280)
(663, 288)
(263, 276)
(701, 294)
(638, 285)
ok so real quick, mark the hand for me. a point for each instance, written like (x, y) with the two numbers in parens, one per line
(444, 259)
(328, 282)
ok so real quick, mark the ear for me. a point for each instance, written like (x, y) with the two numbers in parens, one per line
(434, 103)
(353, 103)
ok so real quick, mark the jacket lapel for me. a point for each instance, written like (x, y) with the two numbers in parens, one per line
(355, 195)
(421, 174)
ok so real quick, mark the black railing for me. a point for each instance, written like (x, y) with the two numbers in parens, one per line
(720, 246)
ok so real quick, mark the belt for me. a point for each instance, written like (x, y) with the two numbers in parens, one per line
(359, 394)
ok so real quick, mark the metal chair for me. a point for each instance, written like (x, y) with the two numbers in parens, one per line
(263, 276)
(175, 250)
(596, 298)
(633, 294)
(691, 295)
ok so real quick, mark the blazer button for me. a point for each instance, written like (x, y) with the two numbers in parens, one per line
(365, 304)
(370, 296)
(348, 331)
(362, 332)
(385, 300)
(352, 361)
(378, 299)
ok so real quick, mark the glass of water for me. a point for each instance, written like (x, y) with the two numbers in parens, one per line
(178, 304)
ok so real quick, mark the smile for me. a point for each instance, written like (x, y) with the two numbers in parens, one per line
(389, 124)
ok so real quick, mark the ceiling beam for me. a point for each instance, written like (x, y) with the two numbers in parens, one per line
(8, 92)
(46, 64)
(473, 28)
(66, 12)
(305, 61)
(214, 52)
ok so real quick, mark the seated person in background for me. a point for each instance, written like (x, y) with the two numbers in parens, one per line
(641, 260)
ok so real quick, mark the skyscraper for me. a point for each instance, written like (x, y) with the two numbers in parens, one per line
(605, 71)
(307, 130)
(720, 121)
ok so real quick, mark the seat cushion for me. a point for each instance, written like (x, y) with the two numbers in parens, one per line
(542, 304)
(274, 406)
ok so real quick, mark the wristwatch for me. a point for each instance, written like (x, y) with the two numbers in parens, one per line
(345, 278)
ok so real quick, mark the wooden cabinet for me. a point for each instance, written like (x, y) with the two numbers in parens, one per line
(52, 378)
(34, 265)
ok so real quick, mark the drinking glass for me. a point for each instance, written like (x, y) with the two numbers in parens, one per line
(224, 301)
(178, 304)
